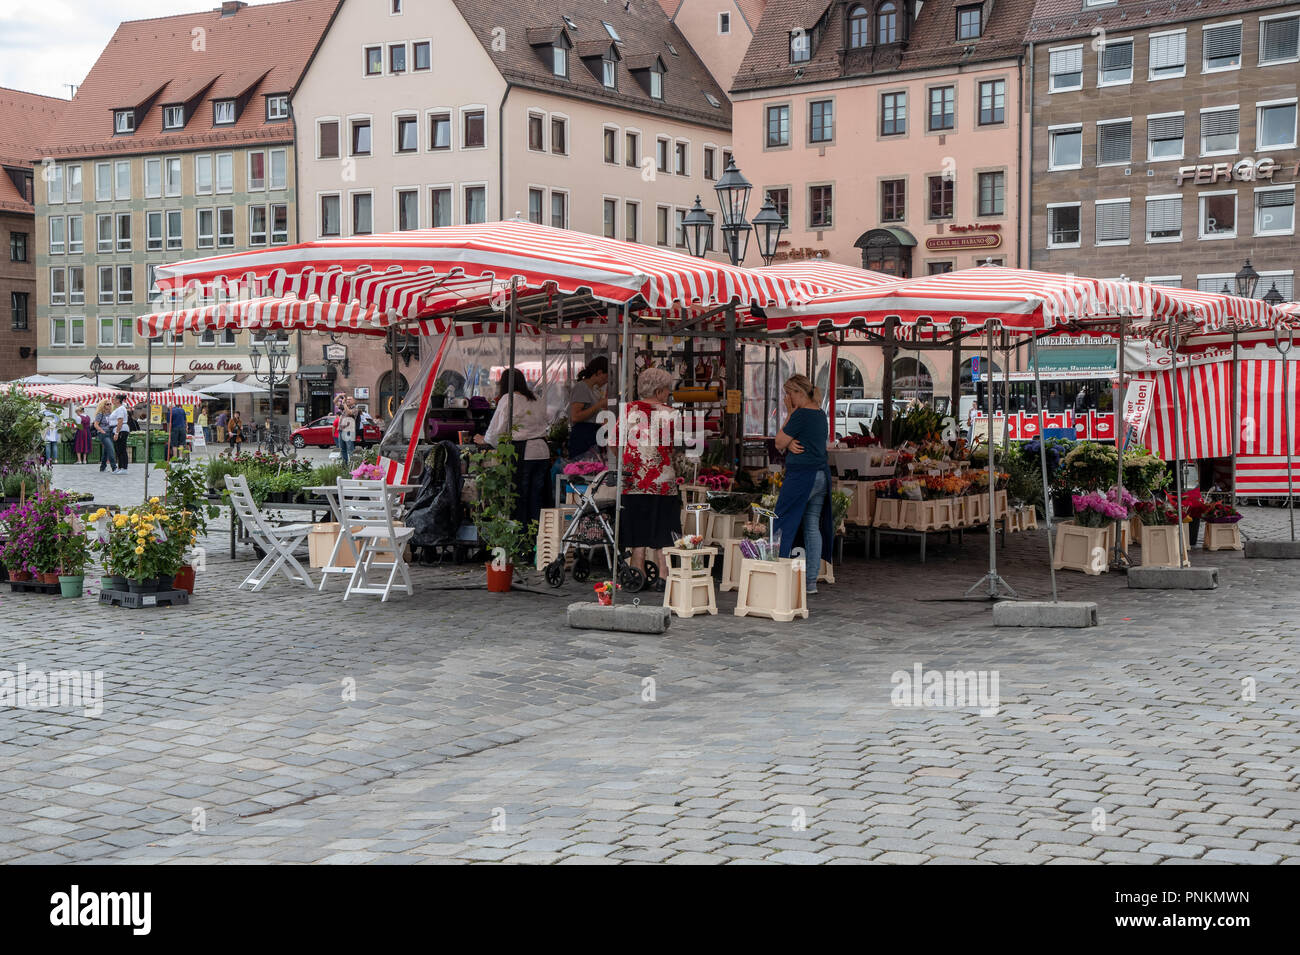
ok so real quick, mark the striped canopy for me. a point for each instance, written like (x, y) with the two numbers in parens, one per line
(828, 276)
(1215, 317)
(90, 395)
(400, 271)
(1021, 300)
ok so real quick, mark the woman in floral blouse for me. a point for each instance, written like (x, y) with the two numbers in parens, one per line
(652, 516)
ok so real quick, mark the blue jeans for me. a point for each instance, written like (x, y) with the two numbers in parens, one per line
(52, 451)
(345, 447)
(812, 530)
(107, 456)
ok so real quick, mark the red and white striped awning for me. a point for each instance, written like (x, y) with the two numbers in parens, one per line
(1020, 299)
(1215, 317)
(399, 271)
(828, 276)
(71, 394)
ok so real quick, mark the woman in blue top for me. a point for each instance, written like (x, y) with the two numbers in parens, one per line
(805, 491)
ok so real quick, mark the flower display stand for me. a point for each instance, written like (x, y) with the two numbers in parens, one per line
(550, 528)
(826, 575)
(1160, 545)
(689, 589)
(1222, 536)
(731, 558)
(980, 508)
(721, 527)
(694, 494)
(773, 589)
(1081, 548)
(1028, 517)
(862, 501)
(1000, 499)
(888, 512)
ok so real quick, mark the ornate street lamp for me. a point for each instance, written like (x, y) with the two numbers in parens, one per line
(97, 365)
(1273, 296)
(275, 352)
(769, 225)
(1246, 281)
(698, 229)
(733, 196)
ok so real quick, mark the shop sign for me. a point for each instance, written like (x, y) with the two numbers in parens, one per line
(1137, 406)
(976, 227)
(361, 393)
(234, 367)
(1243, 170)
(953, 243)
(336, 351)
(119, 365)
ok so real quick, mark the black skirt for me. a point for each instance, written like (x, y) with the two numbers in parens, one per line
(650, 520)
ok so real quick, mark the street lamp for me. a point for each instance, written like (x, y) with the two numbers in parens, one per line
(1246, 281)
(97, 365)
(1273, 296)
(769, 225)
(698, 229)
(733, 196)
(276, 353)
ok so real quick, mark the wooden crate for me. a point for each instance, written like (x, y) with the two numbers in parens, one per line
(772, 588)
(1160, 545)
(1222, 536)
(1081, 548)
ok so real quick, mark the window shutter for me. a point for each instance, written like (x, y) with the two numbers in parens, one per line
(1114, 142)
(1164, 215)
(1112, 222)
(1285, 285)
(1223, 122)
(1067, 61)
(1214, 285)
(1280, 39)
(1223, 41)
(1117, 56)
(1168, 52)
(1276, 200)
(1165, 127)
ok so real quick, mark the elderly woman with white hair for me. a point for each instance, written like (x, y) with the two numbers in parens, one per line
(651, 517)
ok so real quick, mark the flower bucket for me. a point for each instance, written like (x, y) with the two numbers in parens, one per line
(49, 577)
(21, 575)
(1081, 548)
(71, 586)
(1223, 535)
(165, 581)
(498, 581)
(605, 600)
(112, 582)
(143, 586)
(185, 579)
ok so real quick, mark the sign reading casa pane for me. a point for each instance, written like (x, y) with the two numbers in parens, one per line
(979, 240)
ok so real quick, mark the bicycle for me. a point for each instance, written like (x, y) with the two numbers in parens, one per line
(275, 440)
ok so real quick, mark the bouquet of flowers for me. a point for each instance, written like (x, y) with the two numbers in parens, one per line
(605, 592)
(1154, 513)
(889, 489)
(911, 490)
(753, 531)
(763, 548)
(583, 468)
(1094, 509)
(860, 440)
(368, 472)
(1220, 512)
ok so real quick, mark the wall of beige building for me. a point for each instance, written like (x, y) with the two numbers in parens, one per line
(701, 23)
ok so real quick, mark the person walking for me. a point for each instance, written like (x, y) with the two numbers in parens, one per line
(201, 421)
(178, 423)
(50, 435)
(104, 435)
(652, 514)
(346, 427)
(81, 444)
(121, 418)
(235, 432)
(532, 454)
(806, 488)
(222, 418)
(586, 401)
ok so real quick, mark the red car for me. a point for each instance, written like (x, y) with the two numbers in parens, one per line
(320, 433)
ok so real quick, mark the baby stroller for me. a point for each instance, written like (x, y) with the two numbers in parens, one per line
(592, 528)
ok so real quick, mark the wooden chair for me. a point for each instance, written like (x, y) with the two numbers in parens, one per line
(366, 516)
(278, 542)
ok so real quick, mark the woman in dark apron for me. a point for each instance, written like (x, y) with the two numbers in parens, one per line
(586, 401)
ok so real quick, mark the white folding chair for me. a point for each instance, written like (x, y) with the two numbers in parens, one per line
(366, 516)
(278, 542)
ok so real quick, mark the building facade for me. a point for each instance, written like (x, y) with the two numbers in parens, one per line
(720, 31)
(180, 143)
(584, 115)
(22, 117)
(1164, 143)
(889, 135)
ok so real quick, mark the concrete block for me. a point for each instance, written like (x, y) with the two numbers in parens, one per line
(1043, 613)
(1173, 578)
(628, 618)
(1273, 550)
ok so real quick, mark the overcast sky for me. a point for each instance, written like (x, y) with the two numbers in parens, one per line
(46, 44)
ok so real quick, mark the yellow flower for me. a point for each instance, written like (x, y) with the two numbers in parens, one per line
(139, 550)
(153, 500)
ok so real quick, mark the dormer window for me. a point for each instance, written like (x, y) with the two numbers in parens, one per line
(223, 112)
(173, 117)
(656, 84)
(859, 28)
(970, 23)
(277, 107)
(124, 121)
(800, 47)
(609, 74)
(560, 62)
(887, 23)
(613, 34)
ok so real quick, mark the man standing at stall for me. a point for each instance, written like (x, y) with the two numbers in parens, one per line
(119, 418)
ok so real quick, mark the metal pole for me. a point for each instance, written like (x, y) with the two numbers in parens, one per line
(1119, 558)
(887, 387)
(510, 365)
(1042, 459)
(1178, 438)
(1284, 348)
(767, 386)
(148, 419)
(622, 438)
(1236, 409)
(993, 486)
(954, 386)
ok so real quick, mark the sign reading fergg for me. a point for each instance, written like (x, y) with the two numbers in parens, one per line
(1244, 170)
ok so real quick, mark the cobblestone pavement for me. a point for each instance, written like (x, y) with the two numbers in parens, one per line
(484, 729)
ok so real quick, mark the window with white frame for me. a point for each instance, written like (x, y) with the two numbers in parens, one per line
(327, 139)
(408, 134)
(1275, 125)
(124, 232)
(1221, 47)
(72, 182)
(277, 107)
(58, 235)
(1115, 63)
(225, 172)
(173, 117)
(1279, 39)
(105, 285)
(374, 60)
(1065, 69)
(279, 168)
(1063, 225)
(1168, 281)
(223, 112)
(76, 238)
(122, 179)
(174, 240)
(123, 121)
(609, 138)
(172, 176)
(1275, 210)
(76, 285)
(421, 56)
(226, 228)
(1112, 221)
(681, 162)
(54, 185)
(279, 223)
(559, 136)
(153, 178)
(108, 332)
(331, 221)
(1065, 147)
(1114, 142)
(1218, 215)
(1165, 137)
(1284, 282)
(1167, 55)
(256, 170)
(104, 232)
(125, 331)
(1164, 218)
(1219, 131)
(125, 284)
(724, 24)
(360, 137)
(1220, 283)
(58, 332)
(439, 131)
(205, 232)
(76, 331)
(58, 286)
(257, 234)
(203, 175)
(103, 182)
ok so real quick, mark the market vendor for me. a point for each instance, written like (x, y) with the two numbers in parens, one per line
(586, 401)
(806, 488)
(532, 453)
(652, 512)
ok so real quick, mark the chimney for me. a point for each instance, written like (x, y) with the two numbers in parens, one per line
(230, 7)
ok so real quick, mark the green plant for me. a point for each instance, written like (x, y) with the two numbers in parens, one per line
(493, 471)
(557, 436)
(918, 423)
(1090, 466)
(21, 424)
(186, 498)
(1144, 473)
(73, 549)
(840, 502)
(328, 474)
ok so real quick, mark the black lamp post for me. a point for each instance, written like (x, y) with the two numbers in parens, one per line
(1273, 296)
(698, 229)
(733, 196)
(769, 225)
(96, 366)
(276, 353)
(733, 191)
(1246, 281)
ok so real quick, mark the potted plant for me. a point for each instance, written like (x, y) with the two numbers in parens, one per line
(15, 555)
(1081, 542)
(115, 544)
(1159, 534)
(188, 512)
(493, 472)
(74, 551)
(1221, 530)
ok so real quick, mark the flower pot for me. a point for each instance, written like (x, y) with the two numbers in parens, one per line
(20, 575)
(1223, 535)
(1160, 545)
(142, 586)
(185, 579)
(49, 577)
(605, 600)
(437, 401)
(1081, 548)
(112, 582)
(164, 581)
(498, 581)
(71, 585)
